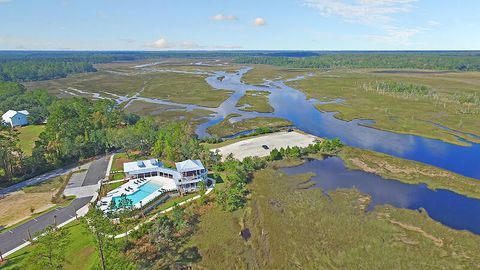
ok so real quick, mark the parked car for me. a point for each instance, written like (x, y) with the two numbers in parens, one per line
(265, 147)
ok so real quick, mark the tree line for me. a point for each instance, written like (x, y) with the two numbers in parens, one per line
(426, 61)
(36, 70)
(79, 128)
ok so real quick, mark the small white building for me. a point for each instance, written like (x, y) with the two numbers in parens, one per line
(15, 118)
(187, 175)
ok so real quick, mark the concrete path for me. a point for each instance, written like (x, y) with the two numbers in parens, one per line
(95, 175)
(161, 213)
(77, 178)
(253, 146)
(90, 182)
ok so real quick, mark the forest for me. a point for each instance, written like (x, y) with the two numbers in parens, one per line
(21, 66)
(41, 69)
(79, 128)
(426, 61)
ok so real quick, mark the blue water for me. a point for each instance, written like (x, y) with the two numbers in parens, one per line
(449, 208)
(141, 193)
(291, 104)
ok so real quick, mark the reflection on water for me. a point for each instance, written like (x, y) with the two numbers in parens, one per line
(449, 208)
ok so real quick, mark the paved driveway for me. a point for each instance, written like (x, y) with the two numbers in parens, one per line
(19, 235)
(96, 171)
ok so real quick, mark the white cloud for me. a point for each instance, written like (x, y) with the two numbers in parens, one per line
(433, 23)
(396, 36)
(164, 44)
(222, 17)
(370, 12)
(4, 1)
(259, 22)
(161, 43)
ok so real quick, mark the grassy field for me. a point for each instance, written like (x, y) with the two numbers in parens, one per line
(80, 253)
(225, 128)
(408, 171)
(219, 242)
(30, 201)
(294, 227)
(401, 113)
(184, 88)
(256, 101)
(28, 136)
(260, 73)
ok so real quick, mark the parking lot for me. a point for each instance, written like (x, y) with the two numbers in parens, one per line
(253, 146)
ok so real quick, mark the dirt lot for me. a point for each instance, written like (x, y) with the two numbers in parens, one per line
(253, 146)
(15, 207)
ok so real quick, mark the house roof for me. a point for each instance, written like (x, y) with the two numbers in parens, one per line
(141, 165)
(189, 165)
(11, 113)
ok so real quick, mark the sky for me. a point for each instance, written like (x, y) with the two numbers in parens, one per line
(239, 25)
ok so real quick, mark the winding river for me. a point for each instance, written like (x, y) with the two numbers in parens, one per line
(292, 104)
(449, 208)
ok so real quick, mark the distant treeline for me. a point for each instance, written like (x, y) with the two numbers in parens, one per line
(20, 66)
(460, 61)
(41, 69)
(43, 65)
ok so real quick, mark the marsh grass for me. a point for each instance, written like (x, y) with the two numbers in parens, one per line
(409, 171)
(256, 101)
(226, 128)
(393, 111)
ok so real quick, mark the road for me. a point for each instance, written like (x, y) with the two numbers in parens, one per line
(19, 235)
(36, 180)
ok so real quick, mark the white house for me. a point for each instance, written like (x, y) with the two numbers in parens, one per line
(187, 175)
(14, 118)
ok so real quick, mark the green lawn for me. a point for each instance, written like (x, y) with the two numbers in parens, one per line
(28, 136)
(80, 253)
(256, 101)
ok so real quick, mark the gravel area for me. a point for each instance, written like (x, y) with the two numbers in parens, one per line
(253, 146)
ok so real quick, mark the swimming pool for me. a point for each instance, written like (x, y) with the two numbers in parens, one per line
(144, 191)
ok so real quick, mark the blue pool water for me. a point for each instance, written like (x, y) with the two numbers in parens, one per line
(141, 193)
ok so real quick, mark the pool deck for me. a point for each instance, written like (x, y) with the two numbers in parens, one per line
(131, 187)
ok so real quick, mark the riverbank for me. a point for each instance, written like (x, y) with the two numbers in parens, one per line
(288, 225)
(408, 171)
(226, 128)
(407, 114)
